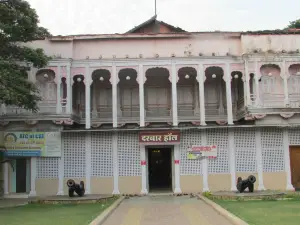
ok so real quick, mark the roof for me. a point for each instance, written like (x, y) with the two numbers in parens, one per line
(153, 20)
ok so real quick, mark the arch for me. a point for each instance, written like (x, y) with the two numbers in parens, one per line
(294, 69)
(270, 70)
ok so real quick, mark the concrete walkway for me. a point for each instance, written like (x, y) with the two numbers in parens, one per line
(165, 210)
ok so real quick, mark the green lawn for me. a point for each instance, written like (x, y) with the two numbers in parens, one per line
(285, 212)
(57, 214)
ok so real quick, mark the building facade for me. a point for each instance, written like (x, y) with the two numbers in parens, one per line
(114, 99)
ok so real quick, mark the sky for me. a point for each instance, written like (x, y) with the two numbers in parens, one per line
(67, 17)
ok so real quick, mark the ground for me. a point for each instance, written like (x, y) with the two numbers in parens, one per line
(165, 210)
(284, 212)
(37, 214)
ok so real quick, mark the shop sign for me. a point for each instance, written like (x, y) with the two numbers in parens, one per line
(160, 137)
(33, 144)
(197, 151)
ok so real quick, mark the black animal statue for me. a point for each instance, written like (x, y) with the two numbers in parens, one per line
(78, 188)
(241, 184)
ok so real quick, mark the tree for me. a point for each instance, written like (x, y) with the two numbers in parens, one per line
(18, 26)
(294, 24)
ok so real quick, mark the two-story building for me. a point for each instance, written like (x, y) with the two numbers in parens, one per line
(124, 112)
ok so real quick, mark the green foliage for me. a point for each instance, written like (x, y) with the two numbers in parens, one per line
(18, 26)
(294, 24)
(207, 194)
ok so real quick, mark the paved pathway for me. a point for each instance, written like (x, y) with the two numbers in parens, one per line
(165, 210)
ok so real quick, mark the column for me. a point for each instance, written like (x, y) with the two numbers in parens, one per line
(174, 95)
(259, 160)
(201, 79)
(58, 94)
(287, 165)
(141, 96)
(87, 98)
(144, 190)
(204, 163)
(284, 75)
(5, 178)
(3, 109)
(247, 85)
(231, 148)
(177, 189)
(61, 171)
(115, 163)
(228, 94)
(256, 78)
(88, 163)
(114, 96)
(32, 176)
(69, 90)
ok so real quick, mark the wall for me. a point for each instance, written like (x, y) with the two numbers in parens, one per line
(270, 42)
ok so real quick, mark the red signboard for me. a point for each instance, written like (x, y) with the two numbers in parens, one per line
(160, 137)
(143, 163)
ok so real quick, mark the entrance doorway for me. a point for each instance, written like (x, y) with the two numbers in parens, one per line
(21, 175)
(160, 169)
(295, 166)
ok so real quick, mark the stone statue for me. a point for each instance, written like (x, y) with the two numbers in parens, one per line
(78, 188)
(241, 185)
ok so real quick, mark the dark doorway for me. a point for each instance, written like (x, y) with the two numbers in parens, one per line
(160, 169)
(21, 175)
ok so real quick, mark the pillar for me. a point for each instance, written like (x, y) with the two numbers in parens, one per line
(247, 85)
(144, 190)
(87, 98)
(177, 189)
(231, 148)
(204, 163)
(32, 176)
(61, 171)
(174, 95)
(141, 96)
(228, 77)
(287, 166)
(201, 79)
(284, 75)
(259, 160)
(88, 163)
(69, 90)
(257, 76)
(58, 94)
(115, 164)
(114, 96)
(5, 178)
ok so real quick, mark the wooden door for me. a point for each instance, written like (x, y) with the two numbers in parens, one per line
(295, 166)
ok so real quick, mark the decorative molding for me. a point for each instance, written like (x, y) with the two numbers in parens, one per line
(287, 115)
(221, 122)
(260, 116)
(96, 125)
(65, 122)
(4, 123)
(58, 122)
(31, 122)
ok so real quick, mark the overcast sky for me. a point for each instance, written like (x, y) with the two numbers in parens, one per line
(118, 16)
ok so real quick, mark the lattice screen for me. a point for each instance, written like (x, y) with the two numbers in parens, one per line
(245, 150)
(129, 154)
(294, 136)
(101, 154)
(272, 150)
(218, 137)
(46, 168)
(189, 167)
(74, 155)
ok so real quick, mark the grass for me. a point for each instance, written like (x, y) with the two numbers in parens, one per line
(284, 212)
(57, 214)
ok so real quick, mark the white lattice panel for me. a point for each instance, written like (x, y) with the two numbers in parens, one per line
(129, 154)
(294, 136)
(101, 154)
(245, 150)
(272, 150)
(218, 137)
(74, 155)
(46, 168)
(189, 167)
